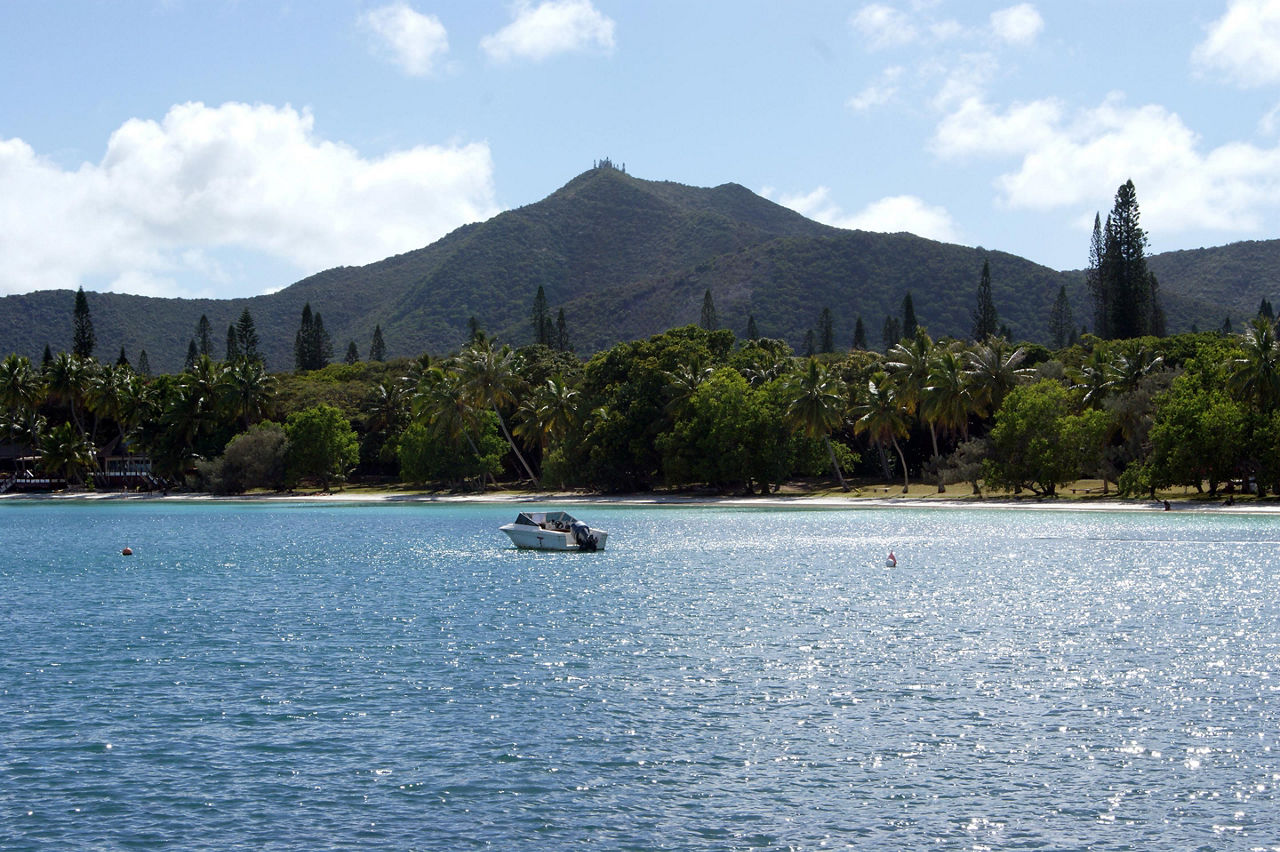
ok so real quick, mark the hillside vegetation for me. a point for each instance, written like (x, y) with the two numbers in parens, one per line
(626, 258)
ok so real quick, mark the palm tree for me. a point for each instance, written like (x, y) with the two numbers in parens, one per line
(246, 390)
(817, 408)
(68, 379)
(1256, 374)
(21, 390)
(549, 413)
(946, 402)
(64, 451)
(490, 380)
(1096, 377)
(993, 372)
(883, 419)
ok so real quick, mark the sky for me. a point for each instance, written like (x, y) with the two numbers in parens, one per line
(228, 148)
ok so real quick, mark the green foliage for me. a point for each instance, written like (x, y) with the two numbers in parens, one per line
(986, 321)
(253, 459)
(429, 455)
(82, 336)
(1037, 443)
(322, 445)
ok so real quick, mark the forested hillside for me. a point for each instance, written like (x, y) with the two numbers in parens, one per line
(626, 258)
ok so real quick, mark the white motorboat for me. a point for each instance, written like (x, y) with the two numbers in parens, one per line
(553, 531)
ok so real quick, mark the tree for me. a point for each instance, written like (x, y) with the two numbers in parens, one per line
(246, 391)
(1061, 321)
(252, 459)
(123, 360)
(859, 335)
(65, 452)
(562, 343)
(233, 345)
(752, 333)
(377, 349)
(193, 352)
(204, 336)
(810, 346)
(986, 322)
(1266, 311)
(312, 348)
(826, 332)
(322, 445)
(709, 320)
(1093, 280)
(543, 331)
(353, 354)
(1126, 294)
(892, 332)
(144, 363)
(816, 407)
(82, 337)
(490, 380)
(1255, 375)
(247, 336)
(1038, 444)
(881, 417)
(909, 323)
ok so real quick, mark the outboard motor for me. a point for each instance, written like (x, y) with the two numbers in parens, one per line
(582, 535)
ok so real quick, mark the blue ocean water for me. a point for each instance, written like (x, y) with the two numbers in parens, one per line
(265, 676)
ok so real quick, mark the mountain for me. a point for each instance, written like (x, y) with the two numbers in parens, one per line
(626, 258)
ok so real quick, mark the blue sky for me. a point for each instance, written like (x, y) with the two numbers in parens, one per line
(184, 148)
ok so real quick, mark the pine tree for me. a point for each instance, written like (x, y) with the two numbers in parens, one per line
(1125, 287)
(1061, 322)
(323, 345)
(377, 349)
(1266, 311)
(909, 324)
(353, 354)
(859, 334)
(752, 332)
(542, 328)
(47, 358)
(204, 336)
(985, 319)
(1093, 280)
(192, 355)
(233, 344)
(708, 320)
(474, 331)
(82, 337)
(123, 360)
(304, 341)
(809, 348)
(892, 332)
(144, 363)
(562, 334)
(247, 336)
(826, 331)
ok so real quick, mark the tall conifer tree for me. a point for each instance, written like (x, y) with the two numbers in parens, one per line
(247, 336)
(82, 337)
(233, 344)
(709, 320)
(859, 334)
(204, 336)
(377, 349)
(826, 332)
(1061, 321)
(909, 324)
(986, 322)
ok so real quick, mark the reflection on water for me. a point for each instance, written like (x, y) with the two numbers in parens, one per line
(400, 677)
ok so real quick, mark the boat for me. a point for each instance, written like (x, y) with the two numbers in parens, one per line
(553, 531)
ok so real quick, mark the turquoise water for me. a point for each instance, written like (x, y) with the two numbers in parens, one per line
(300, 677)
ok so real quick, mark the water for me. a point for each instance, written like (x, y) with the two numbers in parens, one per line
(398, 677)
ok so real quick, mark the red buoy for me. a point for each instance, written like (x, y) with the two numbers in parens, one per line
(128, 551)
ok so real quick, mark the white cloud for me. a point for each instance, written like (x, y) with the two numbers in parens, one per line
(1017, 24)
(551, 27)
(414, 41)
(884, 26)
(1244, 43)
(888, 215)
(1078, 159)
(879, 92)
(168, 196)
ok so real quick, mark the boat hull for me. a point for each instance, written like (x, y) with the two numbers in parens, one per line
(553, 531)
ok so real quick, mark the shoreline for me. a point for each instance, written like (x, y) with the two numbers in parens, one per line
(822, 500)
